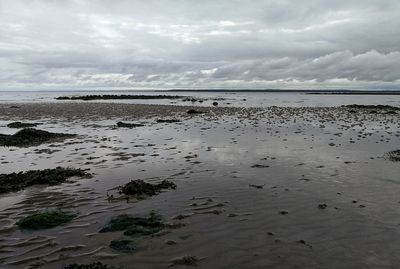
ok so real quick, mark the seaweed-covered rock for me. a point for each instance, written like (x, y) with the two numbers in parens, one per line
(45, 220)
(123, 245)
(30, 137)
(118, 97)
(135, 226)
(393, 156)
(95, 265)
(19, 125)
(139, 187)
(128, 125)
(18, 181)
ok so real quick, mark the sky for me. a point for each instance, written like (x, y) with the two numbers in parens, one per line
(164, 44)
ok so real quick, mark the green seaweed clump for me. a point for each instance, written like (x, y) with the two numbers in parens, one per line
(135, 226)
(45, 220)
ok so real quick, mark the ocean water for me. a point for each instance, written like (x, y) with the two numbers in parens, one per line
(234, 99)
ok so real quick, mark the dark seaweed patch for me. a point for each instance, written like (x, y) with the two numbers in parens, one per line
(19, 125)
(139, 187)
(393, 156)
(124, 245)
(135, 226)
(95, 265)
(18, 181)
(30, 137)
(118, 97)
(128, 125)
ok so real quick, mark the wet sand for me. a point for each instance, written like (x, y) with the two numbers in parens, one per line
(256, 188)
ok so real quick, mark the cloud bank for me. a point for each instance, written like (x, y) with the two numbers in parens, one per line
(79, 44)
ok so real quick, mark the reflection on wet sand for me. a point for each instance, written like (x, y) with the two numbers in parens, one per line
(271, 187)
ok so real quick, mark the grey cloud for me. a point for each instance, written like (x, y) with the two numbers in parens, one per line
(238, 43)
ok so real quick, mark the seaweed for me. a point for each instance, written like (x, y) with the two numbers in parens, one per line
(139, 187)
(123, 245)
(168, 121)
(393, 155)
(18, 181)
(374, 107)
(185, 260)
(94, 265)
(45, 220)
(19, 125)
(118, 97)
(31, 137)
(135, 226)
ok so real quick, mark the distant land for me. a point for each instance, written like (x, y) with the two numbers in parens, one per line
(327, 92)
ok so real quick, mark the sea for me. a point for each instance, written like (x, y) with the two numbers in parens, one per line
(224, 98)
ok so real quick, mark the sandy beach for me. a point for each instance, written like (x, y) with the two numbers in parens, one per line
(274, 187)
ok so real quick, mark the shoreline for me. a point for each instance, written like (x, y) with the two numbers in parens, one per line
(290, 186)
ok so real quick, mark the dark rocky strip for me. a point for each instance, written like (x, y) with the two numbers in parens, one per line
(375, 107)
(119, 97)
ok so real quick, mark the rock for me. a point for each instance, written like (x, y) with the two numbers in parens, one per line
(322, 206)
(259, 166)
(170, 242)
(256, 186)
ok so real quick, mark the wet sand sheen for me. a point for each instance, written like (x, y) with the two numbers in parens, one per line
(256, 188)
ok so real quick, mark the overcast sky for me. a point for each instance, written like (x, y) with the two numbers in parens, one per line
(53, 44)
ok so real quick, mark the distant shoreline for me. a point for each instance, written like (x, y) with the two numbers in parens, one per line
(327, 92)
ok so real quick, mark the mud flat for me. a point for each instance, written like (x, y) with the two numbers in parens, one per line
(275, 187)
